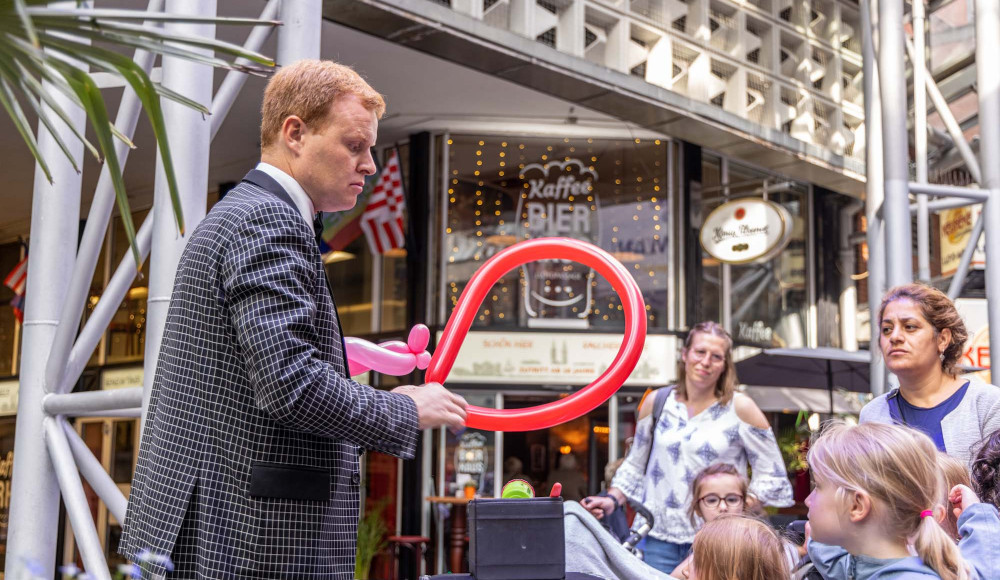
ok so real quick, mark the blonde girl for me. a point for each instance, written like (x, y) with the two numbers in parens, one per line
(736, 547)
(877, 490)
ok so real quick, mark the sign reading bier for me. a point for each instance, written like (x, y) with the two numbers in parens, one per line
(746, 230)
(558, 200)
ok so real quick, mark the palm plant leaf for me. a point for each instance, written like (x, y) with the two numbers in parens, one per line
(93, 103)
(34, 87)
(40, 44)
(143, 87)
(29, 28)
(155, 38)
(16, 113)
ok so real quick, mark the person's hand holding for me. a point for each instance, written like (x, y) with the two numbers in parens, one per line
(436, 405)
(961, 497)
(599, 506)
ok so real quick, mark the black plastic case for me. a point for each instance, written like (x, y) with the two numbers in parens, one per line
(517, 539)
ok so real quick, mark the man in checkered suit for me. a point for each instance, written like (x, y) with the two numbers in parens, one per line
(248, 465)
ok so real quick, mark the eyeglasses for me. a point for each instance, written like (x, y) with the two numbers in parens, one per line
(698, 355)
(712, 501)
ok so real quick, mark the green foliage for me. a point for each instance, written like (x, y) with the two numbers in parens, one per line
(372, 533)
(39, 44)
(793, 442)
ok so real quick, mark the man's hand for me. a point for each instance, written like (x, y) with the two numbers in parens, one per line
(436, 405)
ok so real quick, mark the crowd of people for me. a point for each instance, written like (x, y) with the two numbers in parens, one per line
(909, 491)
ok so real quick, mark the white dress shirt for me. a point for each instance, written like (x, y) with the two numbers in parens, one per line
(294, 190)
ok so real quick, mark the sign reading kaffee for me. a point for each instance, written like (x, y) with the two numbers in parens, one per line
(746, 230)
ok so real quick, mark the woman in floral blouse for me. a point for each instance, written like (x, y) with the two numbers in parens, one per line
(703, 421)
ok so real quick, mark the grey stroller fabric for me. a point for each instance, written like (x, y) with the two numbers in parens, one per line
(590, 549)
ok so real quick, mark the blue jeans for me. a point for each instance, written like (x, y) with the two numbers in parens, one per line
(664, 556)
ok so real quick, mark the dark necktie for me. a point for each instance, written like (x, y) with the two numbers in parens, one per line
(318, 228)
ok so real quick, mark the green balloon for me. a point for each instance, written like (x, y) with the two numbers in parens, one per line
(517, 488)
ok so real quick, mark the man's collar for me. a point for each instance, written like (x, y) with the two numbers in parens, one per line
(294, 190)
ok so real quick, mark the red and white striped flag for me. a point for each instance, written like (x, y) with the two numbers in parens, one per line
(18, 277)
(382, 221)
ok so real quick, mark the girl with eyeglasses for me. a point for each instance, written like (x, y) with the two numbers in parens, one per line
(718, 491)
(700, 421)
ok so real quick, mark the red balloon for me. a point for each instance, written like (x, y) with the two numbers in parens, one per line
(584, 400)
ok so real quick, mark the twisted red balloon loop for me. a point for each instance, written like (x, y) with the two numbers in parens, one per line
(584, 400)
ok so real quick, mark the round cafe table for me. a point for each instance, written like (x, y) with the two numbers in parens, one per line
(459, 525)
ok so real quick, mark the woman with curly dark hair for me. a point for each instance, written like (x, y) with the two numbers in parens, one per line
(921, 341)
(986, 470)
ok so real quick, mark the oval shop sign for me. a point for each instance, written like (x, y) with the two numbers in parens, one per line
(746, 230)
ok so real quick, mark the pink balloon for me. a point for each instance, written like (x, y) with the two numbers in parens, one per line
(392, 357)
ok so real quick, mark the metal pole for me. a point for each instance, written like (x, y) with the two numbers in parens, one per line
(113, 414)
(189, 138)
(950, 123)
(94, 234)
(976, 195)
(55, 214)
(920, 140)
(873, 196)
(944, 203)
(895, 160)
(988, 87)
(234, 81)
(94, 473)
(94, 330)
(848, 290)
(958, 280)
(70, 403)
(77, 507)
(299, 36)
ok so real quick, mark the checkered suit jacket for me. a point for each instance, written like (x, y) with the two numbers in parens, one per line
(248, 463)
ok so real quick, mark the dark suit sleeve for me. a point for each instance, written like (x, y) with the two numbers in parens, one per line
(269, 278)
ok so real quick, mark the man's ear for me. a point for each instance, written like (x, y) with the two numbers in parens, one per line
(293, 129)
(859, 506)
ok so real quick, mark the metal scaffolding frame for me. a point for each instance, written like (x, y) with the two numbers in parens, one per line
(889, 189)
(51, 455)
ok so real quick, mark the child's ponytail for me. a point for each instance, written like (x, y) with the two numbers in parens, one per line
(938, 551)
(897, 467)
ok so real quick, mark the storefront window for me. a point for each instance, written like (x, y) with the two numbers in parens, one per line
(394, 275)
(628, 407)
(612, 193)
(10, 256)
(393, 291)
(764, 303)
(127, 330)
(350, 274)
(6, 470)
(469, 455)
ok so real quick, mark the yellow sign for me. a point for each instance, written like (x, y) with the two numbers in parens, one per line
(956, 225)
